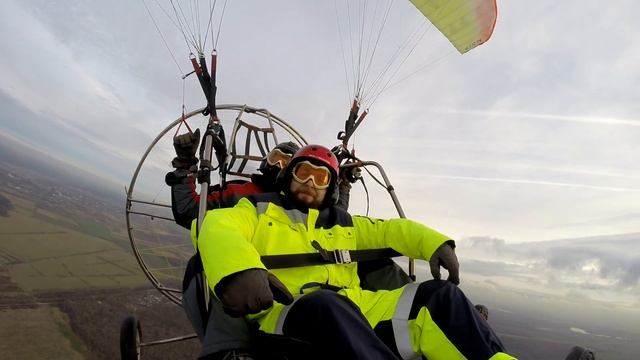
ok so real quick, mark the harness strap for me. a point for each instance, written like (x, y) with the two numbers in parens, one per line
(324, 257)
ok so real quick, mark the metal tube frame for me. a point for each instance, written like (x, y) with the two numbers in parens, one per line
(390, 189)
(171, 294)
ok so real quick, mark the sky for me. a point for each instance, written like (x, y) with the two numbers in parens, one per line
(529, 137)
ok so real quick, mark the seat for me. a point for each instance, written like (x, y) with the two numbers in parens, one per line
(375, 275)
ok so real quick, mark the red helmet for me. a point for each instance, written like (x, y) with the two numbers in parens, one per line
(319, 155)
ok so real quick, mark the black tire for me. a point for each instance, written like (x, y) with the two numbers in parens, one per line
(130, 338)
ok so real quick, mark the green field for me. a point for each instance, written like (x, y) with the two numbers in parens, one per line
(76, 263)
(41, 333)
(43, 250)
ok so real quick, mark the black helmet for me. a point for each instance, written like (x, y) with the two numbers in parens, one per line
(288, 147)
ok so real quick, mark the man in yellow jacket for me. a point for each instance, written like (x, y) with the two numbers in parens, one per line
(329, 309)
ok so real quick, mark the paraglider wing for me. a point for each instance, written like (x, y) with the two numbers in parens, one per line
(466, 23)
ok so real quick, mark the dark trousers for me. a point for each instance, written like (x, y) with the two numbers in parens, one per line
(337, 329)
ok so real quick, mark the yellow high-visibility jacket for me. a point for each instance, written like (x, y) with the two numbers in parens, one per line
(233, 239)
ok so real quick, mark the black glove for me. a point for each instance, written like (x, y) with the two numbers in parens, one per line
(186, 146)
(338, 151)
(218, 144)
(251, 291)
(446, 257)
(176, 177)
(350, 174)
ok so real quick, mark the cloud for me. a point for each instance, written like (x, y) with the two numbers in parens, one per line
(547, 117)
(533, 182)
(485, 242)
(579, 331)
(81, 102)
(596, 267)
(496, 268)
(631, 275)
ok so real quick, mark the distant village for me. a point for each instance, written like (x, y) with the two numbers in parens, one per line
(49, 194)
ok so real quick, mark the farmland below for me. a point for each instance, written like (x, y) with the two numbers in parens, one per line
(67, 273)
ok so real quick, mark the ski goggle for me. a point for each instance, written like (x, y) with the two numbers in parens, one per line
(305, 170)
(278, 157)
